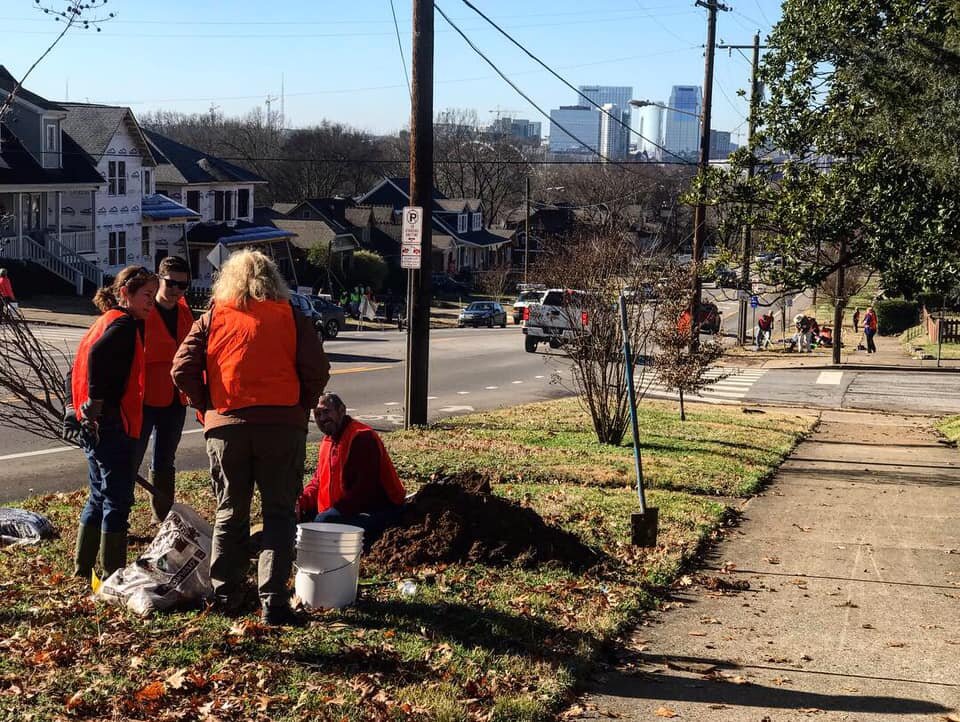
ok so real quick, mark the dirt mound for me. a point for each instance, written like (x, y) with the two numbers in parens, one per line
(459, 520)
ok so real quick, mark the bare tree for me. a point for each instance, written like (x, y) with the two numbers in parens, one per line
(596, 267)
(678, 366)
(31, 378)
(496, 279)
(73, 14)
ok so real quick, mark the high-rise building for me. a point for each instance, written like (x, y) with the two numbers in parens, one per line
(619, 95)
(648, 124)
(580, 127)
(516, 128)
(720, 145)
(614, 131)
(681, 132)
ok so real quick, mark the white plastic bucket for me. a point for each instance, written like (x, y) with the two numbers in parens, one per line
(332, 587)
(328, 564)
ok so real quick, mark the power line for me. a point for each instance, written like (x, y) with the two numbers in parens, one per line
(517, 88)
(564, 81)
(403, 59)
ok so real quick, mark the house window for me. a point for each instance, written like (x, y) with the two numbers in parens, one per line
(193, 200)
(145, 241)
(477, 221)
(52, 138)
(223, 206)
(117, 178)
(462, 223)
(147, 178)
(243, 203)
(117, 248)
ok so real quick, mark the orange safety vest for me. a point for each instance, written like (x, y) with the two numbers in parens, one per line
(131, 403)
(331, 461)
(252, 356)
(161, 347)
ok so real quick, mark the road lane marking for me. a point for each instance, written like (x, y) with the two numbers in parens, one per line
(538, 377)
(359, 370)
(830, 378)
(518, 382)
(491, 388)
(462, 393)
(41, 452)
(454, 409)
(391, 403)
(431, 398)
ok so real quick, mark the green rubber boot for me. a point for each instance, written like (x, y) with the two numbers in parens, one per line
(164, 481)
(113, 551)
(88, 543)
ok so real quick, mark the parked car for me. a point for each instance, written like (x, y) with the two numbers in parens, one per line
(303, 305)
(333, 318)
(727, 278)
(483, 313)
(645, 291)
(708, 316)
(524, 299)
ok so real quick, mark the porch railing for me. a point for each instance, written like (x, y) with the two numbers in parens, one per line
(78, 241)
(90, 272)
(30, 250)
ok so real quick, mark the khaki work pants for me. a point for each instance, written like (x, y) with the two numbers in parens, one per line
(270, 458)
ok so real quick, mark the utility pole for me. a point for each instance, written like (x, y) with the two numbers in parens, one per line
(526, 227)
(421, 194)
(747, 246)
(700, 212)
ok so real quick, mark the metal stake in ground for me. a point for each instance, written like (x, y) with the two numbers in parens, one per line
(643, 526)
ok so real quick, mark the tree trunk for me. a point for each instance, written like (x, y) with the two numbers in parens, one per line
(838, 303)
(683, 414)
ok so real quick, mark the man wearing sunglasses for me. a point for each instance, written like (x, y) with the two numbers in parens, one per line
(164, 408)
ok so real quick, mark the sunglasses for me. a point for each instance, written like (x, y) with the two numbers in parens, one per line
(182, 285)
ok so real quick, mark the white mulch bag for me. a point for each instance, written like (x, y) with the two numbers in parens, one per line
(173, 571)
(19, 526)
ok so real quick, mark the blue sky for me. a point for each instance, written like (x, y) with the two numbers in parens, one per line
(340, 61)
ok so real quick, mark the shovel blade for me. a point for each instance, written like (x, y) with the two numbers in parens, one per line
(643, 528)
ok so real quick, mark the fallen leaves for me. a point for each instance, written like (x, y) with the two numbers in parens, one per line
(772, 560)
(665, 712)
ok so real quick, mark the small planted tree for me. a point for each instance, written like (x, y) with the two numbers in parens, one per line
(495, 281)
(678, 364)
(595, 268)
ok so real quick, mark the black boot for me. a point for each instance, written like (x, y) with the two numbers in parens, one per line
(161, 503)
(282, 615)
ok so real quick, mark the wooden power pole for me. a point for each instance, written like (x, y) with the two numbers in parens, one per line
(747, 246)
(421, 194)
(700, 211)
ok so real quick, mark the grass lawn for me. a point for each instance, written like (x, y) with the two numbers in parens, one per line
(862, 299)
(474, 642)
(950, 427)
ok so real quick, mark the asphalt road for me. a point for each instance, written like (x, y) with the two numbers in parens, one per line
(471, 369)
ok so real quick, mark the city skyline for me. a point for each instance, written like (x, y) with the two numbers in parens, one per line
(342, 63)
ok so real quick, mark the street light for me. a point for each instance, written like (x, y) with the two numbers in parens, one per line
(648, 103)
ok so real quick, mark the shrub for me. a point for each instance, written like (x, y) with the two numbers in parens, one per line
(368, 269)
(895, 315)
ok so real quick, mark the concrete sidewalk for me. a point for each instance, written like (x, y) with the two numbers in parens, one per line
(852, 557)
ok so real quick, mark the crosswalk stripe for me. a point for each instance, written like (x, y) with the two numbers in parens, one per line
(730, 386)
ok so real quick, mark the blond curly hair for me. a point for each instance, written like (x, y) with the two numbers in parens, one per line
(249, 276)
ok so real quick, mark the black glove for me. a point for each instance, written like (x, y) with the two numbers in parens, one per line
(91, 410)
(72, 428)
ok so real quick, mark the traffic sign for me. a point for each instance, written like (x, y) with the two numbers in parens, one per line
(410, 237)
(218, 256)
(754, 301)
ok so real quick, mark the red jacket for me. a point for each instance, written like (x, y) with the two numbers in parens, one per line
(354, 474)
(6, 289)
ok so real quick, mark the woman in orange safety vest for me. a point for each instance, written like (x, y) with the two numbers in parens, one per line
(105, 414)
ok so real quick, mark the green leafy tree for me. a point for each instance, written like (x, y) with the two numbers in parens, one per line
(856, 153)
(368, 269)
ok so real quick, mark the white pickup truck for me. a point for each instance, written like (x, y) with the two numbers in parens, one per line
(558, 317)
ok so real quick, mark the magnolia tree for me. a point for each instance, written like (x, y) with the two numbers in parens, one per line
(595, 268)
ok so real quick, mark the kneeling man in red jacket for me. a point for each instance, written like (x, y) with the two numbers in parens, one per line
(355, 482)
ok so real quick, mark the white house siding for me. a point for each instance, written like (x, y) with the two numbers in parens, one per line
(121, 213)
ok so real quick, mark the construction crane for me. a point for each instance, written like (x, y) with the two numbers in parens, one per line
(503, 111)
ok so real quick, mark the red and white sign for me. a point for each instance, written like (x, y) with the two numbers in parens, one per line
(411, 231)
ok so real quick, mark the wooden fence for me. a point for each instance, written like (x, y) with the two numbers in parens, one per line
(949, 327)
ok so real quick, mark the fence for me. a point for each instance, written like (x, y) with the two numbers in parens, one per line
(949, 327)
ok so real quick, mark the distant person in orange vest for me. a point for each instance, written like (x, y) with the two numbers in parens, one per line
(870, 329)
(255, 367)
(6, 291)
(163, 406)
(104, 415)
(356, 482)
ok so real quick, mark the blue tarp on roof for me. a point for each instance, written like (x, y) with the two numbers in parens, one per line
(158, 207)
(210, 234)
